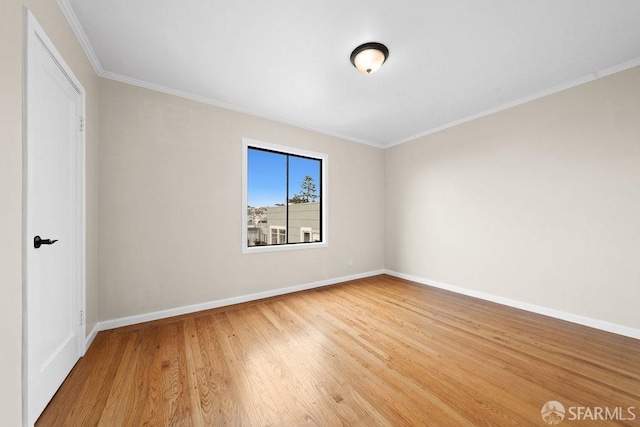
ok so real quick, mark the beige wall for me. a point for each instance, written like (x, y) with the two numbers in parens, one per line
(539, 203)
(11, 35)
(170, 204)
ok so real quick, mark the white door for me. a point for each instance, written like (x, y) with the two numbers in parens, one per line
(54, 184)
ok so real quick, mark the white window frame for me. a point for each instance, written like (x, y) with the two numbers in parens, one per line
(324, 197)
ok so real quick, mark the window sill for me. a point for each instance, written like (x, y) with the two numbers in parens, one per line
(279, 248)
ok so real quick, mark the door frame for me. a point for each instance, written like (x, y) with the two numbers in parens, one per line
(34, 33)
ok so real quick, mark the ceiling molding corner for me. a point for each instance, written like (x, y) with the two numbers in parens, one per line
(559, 88)
(68, 12)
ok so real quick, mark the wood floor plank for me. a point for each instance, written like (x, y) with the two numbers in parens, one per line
(177, 407)
(404, 371)
(241, 351)
(353, 374)
(369, 359)
(148, 414)
(505, 355)
(122, 399)
(349, 406)
(376, 351)
(225, 407)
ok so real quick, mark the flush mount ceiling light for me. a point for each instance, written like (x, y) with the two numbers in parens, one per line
(367, 58)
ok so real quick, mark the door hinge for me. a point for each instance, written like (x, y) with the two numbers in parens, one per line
(81, 124)
(81, 317)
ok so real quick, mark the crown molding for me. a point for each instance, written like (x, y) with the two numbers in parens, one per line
(68, 12)
(559, 88)
(232, 107)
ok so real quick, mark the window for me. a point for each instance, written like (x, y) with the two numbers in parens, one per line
(305, 234)
(284, 198)
(278, 235)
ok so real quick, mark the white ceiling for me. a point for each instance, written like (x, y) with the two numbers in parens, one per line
(449, 60)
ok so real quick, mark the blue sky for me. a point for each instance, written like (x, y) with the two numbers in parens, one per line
(267, 181)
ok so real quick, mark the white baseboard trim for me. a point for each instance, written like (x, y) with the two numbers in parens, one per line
(545, 311)
(163, 314)
(92, 335)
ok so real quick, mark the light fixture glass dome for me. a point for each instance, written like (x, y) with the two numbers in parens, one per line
(369, 57)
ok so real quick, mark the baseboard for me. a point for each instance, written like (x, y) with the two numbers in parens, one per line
(557, 314)
(92, 335)
(163, 314)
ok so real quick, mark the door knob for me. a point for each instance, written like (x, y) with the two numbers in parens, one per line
(37, 242)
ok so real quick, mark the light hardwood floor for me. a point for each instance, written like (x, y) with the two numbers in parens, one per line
(377, 351)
